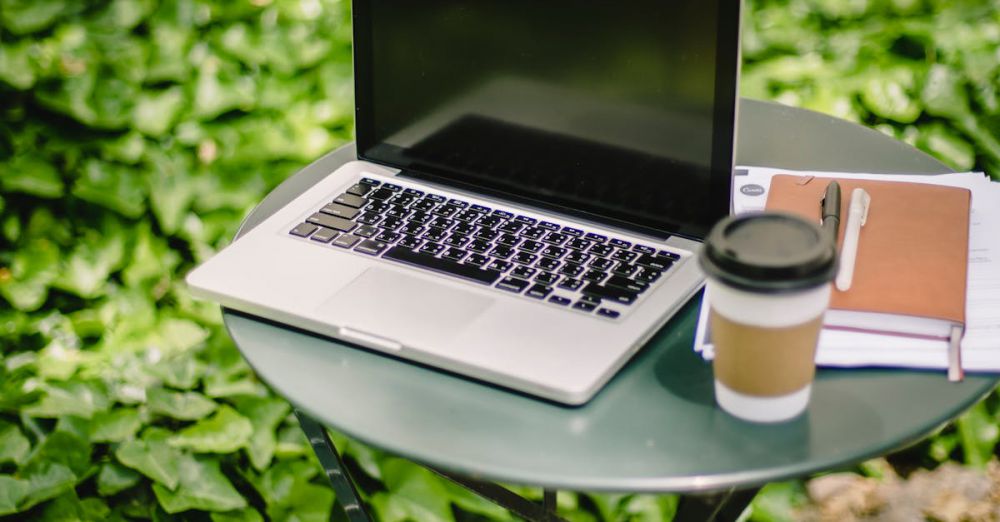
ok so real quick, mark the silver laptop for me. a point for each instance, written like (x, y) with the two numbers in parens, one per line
(532, 185)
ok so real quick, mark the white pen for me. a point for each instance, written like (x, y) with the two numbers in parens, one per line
(857, 214)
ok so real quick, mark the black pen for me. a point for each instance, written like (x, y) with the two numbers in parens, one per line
(830, 220)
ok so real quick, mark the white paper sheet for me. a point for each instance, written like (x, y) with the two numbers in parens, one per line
(981, 344)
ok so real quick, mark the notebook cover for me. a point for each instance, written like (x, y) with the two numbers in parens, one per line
(913, 249)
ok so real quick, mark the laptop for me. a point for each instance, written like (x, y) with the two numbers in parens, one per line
(532, 184)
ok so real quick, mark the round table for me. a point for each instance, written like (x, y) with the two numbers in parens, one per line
(655, 427)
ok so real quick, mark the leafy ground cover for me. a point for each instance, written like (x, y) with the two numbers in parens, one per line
(134, 136)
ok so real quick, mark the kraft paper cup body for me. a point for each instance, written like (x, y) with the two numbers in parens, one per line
(768, 316)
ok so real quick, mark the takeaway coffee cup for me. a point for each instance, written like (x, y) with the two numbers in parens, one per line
(768, 284)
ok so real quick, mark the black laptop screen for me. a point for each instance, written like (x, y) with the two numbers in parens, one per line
(622, 111)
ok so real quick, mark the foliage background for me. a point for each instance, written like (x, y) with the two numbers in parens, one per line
(134, 136)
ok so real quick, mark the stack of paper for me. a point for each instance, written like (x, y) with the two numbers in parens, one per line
(981, 344)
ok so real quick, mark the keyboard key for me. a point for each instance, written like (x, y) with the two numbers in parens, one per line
(511, 227)
(487, 234)
(435, 234)
(526, 220)
(334, 222)
(431, 248)
(346, 240)
(457, 240)
(546, 278)
(628, 284)
(555, 238)
(609, 313)
(338, 210)
(477, 259)
(457, 203)
(553, 252)
(479, 246)
(584, 306)
(524, 272)
(303, 229)
(513, 284)
(467, 216)
(369, 218)
(464, 229)
(370, 181)
(350, 200)
(500, 265)
(390, 186)
(620, 243)
(386, 236)
(402, 200)
(380, 194)
(509, 240)
(392, 223)
(624, 269)
(533, 233)
(324, 235)
(600, 250)
(437, 198)
(424, 205)
(503, 214)
(571, 270)
(413, 229)
(489, 221)
(531, 246)
(575, 232)
(580, 244)
(360, 189)
(648, 275)
(421, 217)
(671, 255)
(570, 284)
(601, 264)
(595, 275)
(442, 222)
(611, 293)
(525, 258)
(411, 242)
(575, 256)
(539, 291)
(548, 225)
(445, 211)
(597, 238)
(371, 247)
(377, 206)
(624, 255)
(654, 262)
(455, 254)
(413, 192)
(643, 249)
(398, 211)
(366, 231)
(480, 209)
(549, 264)
(559, 300)
(502, 251)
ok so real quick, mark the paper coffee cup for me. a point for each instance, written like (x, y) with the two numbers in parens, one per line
(769, 285)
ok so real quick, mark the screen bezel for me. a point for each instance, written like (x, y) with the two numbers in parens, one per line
(723, 128)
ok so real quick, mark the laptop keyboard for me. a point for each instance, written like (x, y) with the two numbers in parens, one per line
(564, 266)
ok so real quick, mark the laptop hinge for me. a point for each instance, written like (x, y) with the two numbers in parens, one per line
(369, 340)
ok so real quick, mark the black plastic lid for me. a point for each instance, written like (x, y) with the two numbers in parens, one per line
(769, 252)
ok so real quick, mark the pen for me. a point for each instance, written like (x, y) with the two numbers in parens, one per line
(857, 214)
(830, 210)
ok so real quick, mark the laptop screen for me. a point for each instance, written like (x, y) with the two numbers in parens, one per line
(620, 111)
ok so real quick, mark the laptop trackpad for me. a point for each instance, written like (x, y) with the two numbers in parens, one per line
(403, 308)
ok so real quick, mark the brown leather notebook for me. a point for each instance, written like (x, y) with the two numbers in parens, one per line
(912, 257)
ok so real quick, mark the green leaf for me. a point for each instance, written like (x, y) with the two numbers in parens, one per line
(202, 486)
(114, 478)
(125, 14)
(28, 16)
(153, 458)
(947, 146)
(171, 189)
(978, 433)
(31, 271)
(12, 492)
(223, 432)
(156, 112)
(115, 425)
(115, 187)
(82, 398)
(47, 480)
(153, 261)
(777, 502)
(887, 97)
(306, 503)
(414, 491)
(16, 67)
(14, 446)
(246, 515)
(265, 414)
(31, 174)
(276, 483)
(170, 47)
(220, 88)
(64, 448)
(69, 507)
(181, 406)
(182, 371)
(943, 94)
(97, 255)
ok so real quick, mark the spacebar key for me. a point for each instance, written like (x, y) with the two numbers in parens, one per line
(472, 273)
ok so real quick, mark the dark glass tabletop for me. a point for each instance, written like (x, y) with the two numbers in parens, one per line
(655, 427)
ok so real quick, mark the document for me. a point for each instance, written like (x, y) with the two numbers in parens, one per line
(981, 343)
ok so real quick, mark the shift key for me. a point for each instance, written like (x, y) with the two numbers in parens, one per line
(333, 222)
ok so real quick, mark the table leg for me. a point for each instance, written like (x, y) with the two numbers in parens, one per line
(717, 507)
(334, 468)
(507, 499)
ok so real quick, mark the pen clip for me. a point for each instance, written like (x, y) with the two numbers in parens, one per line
(860, 202)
